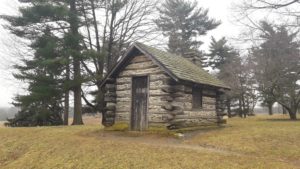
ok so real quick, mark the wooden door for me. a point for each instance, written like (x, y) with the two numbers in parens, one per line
(139, 118)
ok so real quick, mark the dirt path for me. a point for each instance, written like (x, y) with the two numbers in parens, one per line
(171, 142)
(195, 148)
(161, 141)
(176, 143)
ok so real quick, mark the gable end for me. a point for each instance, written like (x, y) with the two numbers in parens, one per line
(133, 51)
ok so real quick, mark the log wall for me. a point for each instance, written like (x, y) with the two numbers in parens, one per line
(169, 104)
(141, 65)
(205, 116)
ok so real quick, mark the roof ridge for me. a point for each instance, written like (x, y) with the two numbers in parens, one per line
(139, 43)
(176, 66)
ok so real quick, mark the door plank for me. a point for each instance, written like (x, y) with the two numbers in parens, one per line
(139, 103)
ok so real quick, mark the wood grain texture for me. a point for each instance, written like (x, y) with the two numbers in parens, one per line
(169, 102)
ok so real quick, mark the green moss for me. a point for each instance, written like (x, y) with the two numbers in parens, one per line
(160, 130)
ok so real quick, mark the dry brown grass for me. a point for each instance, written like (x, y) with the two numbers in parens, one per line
(256, 142)
(89, 119)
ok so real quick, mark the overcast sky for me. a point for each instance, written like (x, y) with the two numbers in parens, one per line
(8, 87)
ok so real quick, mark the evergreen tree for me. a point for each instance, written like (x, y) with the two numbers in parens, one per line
(44, 23)
(87, 55)
(74, 46)
(219, 53)
(42, 105)
(183, 22)
(236, 73)
(222, 57)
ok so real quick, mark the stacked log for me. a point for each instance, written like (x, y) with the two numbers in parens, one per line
(110, 98)
(157, 112)
(182, 111)
(173, 107)
(220, 107)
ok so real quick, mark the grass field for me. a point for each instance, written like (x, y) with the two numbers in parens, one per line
(255, 142)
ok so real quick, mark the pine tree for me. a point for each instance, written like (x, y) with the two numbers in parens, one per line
(44, 24)
(235, 73)
(74, 47)
(86, 54)
(219, 53)
(42, 105)
(182, 22)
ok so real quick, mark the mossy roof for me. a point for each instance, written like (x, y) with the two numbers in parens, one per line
(182, 68)
(176, 66)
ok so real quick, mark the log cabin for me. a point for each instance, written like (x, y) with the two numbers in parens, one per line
(150, 87)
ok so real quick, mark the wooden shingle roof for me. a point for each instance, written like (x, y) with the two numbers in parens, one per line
(176, 66)
(182, 68)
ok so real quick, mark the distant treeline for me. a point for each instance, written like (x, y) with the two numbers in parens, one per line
(6, 112)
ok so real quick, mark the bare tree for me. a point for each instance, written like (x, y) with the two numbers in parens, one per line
(106, 39)
(239, 75)
(277, 67)
(249, 13)
(269, 4)
(237, 72)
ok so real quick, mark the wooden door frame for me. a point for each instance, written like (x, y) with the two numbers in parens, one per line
(131, 96)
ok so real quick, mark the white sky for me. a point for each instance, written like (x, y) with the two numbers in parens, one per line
(219, 9)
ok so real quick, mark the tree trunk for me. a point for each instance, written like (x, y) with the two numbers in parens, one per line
(95, 26)
(228, 105)
(283, 110)
(240, 108)
(100, 95)
(270, 108)
(66, 109)
(111, 38)
(244, 107)
(292, 112)
(87, 25)
(248, 106)
(77, 120)
(293, 115)
(67, 97)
